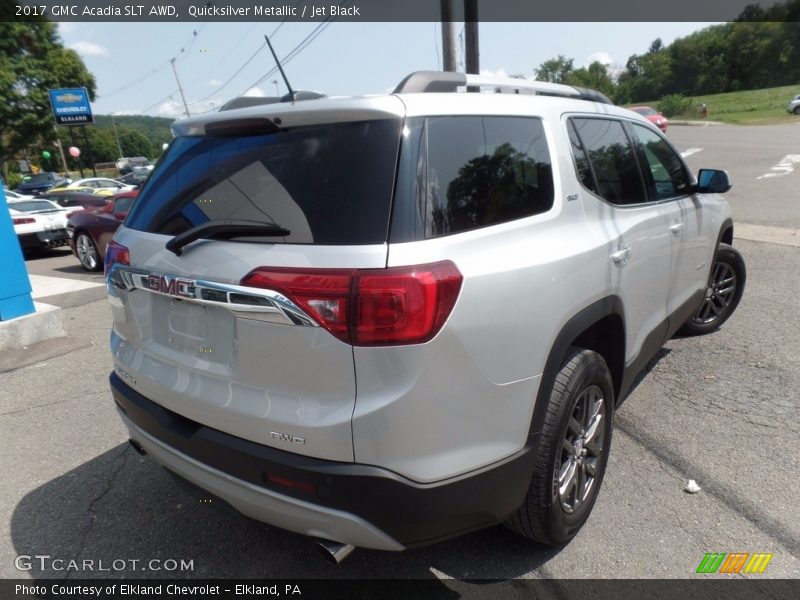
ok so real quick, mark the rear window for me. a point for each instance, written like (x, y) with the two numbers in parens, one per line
(32, 206)
(327, 184)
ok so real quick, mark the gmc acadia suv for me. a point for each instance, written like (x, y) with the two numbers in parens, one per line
(389, 320)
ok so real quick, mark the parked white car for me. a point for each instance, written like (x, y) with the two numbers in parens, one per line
(39, 223)
(12, 195)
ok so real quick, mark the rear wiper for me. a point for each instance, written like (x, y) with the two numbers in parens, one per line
(224, 229)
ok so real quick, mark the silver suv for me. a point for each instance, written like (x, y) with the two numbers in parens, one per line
(389, 320)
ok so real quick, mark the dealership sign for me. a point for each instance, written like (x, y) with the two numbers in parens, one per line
(71, 106)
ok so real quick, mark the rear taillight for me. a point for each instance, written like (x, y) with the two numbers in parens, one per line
(370, 307)
(116, 253)
(322, 293)
(23, 221)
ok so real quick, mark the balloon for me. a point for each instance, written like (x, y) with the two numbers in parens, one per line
(74, 151)
(46, 155)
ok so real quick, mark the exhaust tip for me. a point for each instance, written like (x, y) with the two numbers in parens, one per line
(334, 552)
(138, 447)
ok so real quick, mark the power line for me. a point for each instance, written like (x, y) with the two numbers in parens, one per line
(232, 77)
(295, 51)
(158, 68)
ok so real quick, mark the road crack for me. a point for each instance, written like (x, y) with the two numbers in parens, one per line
(121, 459)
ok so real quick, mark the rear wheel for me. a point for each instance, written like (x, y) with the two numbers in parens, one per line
(572, 452)
(87, 252)
(797, 110)
(723, 293)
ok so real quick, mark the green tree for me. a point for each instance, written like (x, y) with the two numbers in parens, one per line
(595, 77)
(555, 70)
(134, 143)
(33, 60)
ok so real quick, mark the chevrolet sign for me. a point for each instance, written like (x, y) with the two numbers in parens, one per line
(71, 106)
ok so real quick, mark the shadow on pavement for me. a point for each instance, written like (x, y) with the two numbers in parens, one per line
(121, 506)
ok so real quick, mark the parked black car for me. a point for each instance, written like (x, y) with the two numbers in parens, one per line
(41, 182)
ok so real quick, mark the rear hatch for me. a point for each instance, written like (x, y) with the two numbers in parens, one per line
(238, 325)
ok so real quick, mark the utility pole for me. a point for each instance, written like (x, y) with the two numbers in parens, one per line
(119, 148)
(180, 89)
(61, 151)
(471, 29)
(448, 36)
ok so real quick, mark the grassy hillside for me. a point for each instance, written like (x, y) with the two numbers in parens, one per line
(753, 107)
(156, 129)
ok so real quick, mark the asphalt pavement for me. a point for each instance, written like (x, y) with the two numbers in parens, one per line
(719, 409)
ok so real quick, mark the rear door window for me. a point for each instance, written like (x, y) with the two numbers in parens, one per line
(327, 184)
(613, 161)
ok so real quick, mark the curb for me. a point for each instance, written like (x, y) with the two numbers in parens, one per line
(43, 324)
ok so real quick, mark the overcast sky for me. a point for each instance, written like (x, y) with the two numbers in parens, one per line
(131, 60)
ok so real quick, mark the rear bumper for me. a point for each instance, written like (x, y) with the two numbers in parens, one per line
(362, 505)
(40, 239)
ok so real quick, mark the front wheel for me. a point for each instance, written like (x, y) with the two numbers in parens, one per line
(797, 110)
(723, 293)
(572, 452)
(87, 252)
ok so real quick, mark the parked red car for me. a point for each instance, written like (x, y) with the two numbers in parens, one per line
(89, 231)
(656, 118)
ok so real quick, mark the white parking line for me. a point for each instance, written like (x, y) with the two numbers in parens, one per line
(782, 168)
(43, 286)
(690, 151)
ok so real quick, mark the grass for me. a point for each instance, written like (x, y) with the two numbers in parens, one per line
(752, 107)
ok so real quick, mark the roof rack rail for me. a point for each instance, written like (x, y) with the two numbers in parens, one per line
(448, 81)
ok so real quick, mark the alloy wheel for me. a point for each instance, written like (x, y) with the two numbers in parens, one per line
(87, 253)
(581, 450)
(719, 294)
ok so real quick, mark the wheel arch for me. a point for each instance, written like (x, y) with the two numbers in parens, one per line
(599, 327)
(725, 235)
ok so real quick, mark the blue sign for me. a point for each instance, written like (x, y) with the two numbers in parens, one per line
(71, 107)
(15, 292)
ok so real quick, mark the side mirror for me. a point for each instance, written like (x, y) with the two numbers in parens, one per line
(712, 181)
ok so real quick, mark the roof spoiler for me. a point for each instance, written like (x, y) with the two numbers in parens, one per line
(247, 101)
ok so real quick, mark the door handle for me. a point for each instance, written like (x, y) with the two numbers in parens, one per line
(621, 256)
(677, 229)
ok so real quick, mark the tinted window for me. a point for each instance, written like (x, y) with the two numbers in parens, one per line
(122, 204)
(327, 184)
(581, 161)
(612, 159)
(485, 170)
(665, 175)
(31, 206)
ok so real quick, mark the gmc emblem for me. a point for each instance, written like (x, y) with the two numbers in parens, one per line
(172, 286)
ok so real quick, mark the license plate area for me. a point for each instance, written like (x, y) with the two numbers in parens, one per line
(192, 334)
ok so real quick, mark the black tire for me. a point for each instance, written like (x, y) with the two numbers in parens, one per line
(723, 293)
(796, 110)
(87, 252)
(550, 515)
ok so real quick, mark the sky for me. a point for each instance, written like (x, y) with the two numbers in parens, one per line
(131, 61)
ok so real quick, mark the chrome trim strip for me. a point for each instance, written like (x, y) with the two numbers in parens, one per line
(246, 302)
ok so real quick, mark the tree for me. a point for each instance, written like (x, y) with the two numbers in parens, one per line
(555, 70)
(134, 143)
(33, 60)
(595, 77)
